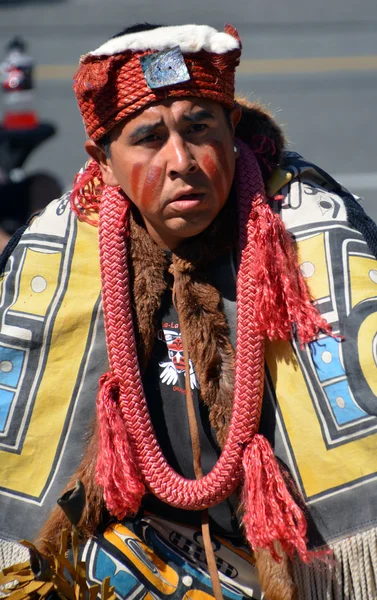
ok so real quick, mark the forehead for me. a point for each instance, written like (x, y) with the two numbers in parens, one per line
(173, 109)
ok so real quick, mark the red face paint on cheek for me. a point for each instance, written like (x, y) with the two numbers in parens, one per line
(212, 170)
(135, 179)
(222, 160)
(152, 187)
(209, 165)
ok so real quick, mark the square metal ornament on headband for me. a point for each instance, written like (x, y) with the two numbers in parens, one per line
(164, 68)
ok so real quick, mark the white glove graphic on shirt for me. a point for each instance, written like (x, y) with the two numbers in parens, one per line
(169, 374)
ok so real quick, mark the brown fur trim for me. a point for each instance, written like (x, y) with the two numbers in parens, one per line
(275, 577)
(148, 267)
(257, 121)
(199, 307)
(94, 512)
(200, 310)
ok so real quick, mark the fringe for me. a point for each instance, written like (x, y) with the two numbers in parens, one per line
(12, 553)
(350, 575)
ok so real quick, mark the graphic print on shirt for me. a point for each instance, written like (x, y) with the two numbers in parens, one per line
(172, 369)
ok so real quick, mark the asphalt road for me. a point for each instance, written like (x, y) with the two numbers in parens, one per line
(314, 64)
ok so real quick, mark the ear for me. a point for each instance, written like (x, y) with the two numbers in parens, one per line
(235, 116)
(98, 154)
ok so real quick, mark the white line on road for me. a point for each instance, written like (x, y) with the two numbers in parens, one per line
(313, 64)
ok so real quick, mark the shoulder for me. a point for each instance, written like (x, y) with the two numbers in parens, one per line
(54, 229)
(310, 199)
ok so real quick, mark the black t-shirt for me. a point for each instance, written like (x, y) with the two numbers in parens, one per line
(164, 386)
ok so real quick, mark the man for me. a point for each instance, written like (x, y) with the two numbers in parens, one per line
(189, 190)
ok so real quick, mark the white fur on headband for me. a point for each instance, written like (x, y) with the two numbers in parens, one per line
(190, 38)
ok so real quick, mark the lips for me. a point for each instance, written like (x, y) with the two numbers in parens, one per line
(187, 201)
(187, 195)
(193, 196)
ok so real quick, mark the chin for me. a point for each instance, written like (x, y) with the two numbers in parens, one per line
(185, 235)
(190, 228)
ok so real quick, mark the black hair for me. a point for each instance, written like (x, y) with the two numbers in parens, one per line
(136, 28)
(105, 142)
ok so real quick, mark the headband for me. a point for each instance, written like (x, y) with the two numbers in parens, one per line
(134, 70)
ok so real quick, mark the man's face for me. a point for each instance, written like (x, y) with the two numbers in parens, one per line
(175, 160)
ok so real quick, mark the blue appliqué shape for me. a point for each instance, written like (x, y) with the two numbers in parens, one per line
(121, 578)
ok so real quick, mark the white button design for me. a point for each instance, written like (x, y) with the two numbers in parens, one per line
(340, 402)
(326, 357)
(6, 366)
(38, 284)
(307, 269)
(187, 580)
(373, 275)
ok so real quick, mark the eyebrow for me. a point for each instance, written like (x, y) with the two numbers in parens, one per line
(199, 115)
(196, 117)
(144, 130)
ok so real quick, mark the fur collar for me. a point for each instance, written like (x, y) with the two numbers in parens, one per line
(259, 130)
(198, 302)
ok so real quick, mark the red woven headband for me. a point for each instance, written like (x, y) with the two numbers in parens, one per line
(111, 88)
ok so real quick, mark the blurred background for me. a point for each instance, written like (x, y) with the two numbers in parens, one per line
(313, 63)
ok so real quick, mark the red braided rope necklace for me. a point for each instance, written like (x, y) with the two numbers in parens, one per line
(271, 297)
(160, 478)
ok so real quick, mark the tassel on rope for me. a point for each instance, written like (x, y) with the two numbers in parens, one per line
(270, 513)
(115, 471)
(86, 193)
(282, 297)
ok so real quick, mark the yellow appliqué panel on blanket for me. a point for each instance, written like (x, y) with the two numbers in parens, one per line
(327, 391)
(332, 467)
(38, 282)
(56, 293)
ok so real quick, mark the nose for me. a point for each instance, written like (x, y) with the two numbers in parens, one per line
(180, 158)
